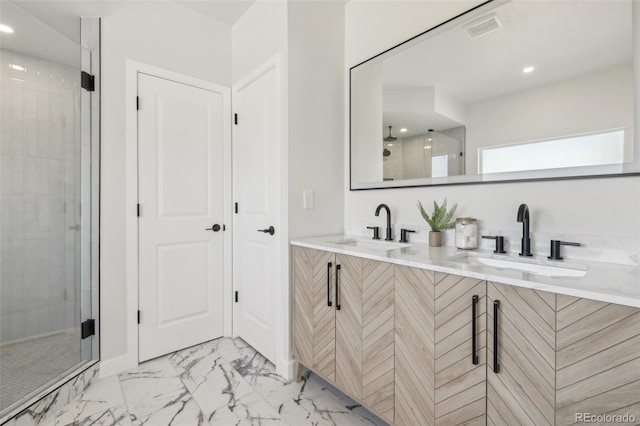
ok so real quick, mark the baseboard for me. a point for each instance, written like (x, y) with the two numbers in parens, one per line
(117, 365)
(285, 368)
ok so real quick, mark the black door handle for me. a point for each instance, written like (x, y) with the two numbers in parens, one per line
(474, 303)
(270, 230)
(214, 228)
(496, 364)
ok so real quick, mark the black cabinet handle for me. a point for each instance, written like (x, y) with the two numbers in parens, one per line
(270, 230)
(474, 303)
(329, 265)
(214, 228)
(338, 287)
(496, 364)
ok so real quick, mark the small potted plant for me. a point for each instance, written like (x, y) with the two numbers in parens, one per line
(440, 219)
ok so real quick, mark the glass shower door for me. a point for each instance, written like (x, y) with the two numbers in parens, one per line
(45, 205)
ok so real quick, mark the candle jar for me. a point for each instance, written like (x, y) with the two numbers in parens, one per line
(466, 233)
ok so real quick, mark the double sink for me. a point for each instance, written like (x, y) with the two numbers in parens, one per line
(530, 265)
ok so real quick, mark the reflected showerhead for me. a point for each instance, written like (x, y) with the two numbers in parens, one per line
(390, 138)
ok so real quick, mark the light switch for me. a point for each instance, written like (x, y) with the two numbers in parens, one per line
(307, 199)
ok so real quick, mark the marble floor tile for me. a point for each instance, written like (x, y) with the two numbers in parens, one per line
(99, 398)
(250, 410)
(156, 396)
(222, 382)
(114, 416)
(211, 380)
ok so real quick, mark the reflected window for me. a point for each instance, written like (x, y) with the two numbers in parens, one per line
(575, 151)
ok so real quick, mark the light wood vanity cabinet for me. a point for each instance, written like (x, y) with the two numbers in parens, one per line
(402, 345)
(597, 359)
(344, 324)
(438, 380)
(521, 381)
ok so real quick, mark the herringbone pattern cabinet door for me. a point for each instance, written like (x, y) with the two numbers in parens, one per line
(414, 347)
(378, 337)
(349, 325)
(460, 384)
(303, 304)
(523, 391)
(598, 360)
(324, 316)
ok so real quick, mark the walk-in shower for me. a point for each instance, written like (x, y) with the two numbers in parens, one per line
(48, 209)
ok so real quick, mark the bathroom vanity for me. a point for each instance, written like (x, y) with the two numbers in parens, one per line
(424, 336)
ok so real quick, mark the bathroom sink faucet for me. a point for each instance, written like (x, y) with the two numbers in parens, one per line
(523, 217)
(389, 231)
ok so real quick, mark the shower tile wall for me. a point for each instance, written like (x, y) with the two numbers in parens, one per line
(40, 196)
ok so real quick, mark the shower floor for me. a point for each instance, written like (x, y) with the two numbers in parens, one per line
(27, 365)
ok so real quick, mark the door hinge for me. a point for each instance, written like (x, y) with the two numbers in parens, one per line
(137, 102)
(236, 208)
(138, 210)
(235, 119)
(87, 81)
(138, 317)
(236, 297)
(88, 328)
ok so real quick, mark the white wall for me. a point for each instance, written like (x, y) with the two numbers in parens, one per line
(316, 116)
(603, 213)
(163, 34)
(598, 101)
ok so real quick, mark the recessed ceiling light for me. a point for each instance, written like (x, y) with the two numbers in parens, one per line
(527, 70)
(403, 130)
(5, 29)
(16, 67)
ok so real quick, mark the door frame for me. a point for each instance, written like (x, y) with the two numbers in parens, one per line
(284, 359)
(130, 358)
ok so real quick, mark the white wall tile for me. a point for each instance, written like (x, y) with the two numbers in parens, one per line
(17, 96)
(42, 104)
(43, 176)
(43, 145)
(39, 129)
(43, 212)
(30, 176)
(31, 137)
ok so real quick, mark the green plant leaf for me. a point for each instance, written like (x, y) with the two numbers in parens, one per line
(441, 218)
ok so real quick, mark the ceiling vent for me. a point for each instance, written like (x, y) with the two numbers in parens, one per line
(482, 26)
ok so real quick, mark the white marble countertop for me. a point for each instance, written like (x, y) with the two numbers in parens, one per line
(606, 282)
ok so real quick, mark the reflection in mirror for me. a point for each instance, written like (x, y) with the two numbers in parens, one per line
(508, 91)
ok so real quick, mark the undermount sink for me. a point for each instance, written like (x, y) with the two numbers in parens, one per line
(533, 266)
(372, 245)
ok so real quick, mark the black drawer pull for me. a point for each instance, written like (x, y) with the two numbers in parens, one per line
(474, 355)
(329, 265)
(338, 287)
(496, 364)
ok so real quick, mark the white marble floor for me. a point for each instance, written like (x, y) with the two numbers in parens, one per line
(223, 382)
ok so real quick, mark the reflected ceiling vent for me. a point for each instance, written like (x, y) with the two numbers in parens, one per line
(482, 26)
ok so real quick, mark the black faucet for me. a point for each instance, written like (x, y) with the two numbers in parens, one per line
(523, 217)
(389, 231)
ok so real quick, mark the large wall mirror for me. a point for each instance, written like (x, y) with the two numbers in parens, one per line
(515, 90)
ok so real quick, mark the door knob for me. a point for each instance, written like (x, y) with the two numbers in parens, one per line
(270, 230)
(214, 228)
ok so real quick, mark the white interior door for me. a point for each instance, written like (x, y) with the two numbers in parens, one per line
(256, 182)
(181, 194)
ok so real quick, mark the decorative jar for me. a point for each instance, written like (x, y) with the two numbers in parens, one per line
(466, 233)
